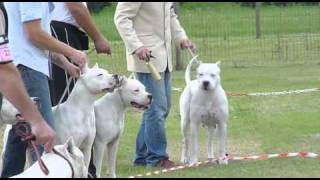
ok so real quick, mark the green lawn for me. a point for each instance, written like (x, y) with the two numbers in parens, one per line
(286, 58)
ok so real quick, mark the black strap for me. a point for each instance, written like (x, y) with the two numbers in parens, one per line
(5, 16)
(0, 101)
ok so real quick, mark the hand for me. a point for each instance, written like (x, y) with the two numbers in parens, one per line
(186, 43)
(44, 134)
(72, 70)
(80, 58)
(143, 53)
(102, 46)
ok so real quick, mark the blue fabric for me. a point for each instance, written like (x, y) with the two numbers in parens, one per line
(151, 142)
(36, 84)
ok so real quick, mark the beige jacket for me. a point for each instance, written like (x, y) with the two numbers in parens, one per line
(152, 25)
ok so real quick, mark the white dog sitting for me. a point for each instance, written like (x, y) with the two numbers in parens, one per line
(110, 114)
(68, 163)
(75, 117)
(203, 101)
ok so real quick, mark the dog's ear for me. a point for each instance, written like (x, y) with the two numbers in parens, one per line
(123, 80)
(132, 76)
(85, 68)
(218, 63)
(96, 65)
(69, 144)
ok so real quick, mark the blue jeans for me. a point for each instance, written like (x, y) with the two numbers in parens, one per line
(151, 142)
(36, 84)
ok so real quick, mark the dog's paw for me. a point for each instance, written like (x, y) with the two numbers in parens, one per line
(223, 160)
(184, 161)
(212, 160)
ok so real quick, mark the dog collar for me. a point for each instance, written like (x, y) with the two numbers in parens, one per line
(59, 154)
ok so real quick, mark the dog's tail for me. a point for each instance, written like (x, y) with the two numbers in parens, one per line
(187, 75)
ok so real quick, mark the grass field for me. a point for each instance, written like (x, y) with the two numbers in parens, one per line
(286, 58)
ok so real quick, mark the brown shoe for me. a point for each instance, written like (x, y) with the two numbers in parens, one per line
(165, 163)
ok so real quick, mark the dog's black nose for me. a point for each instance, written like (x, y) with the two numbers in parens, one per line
(206, 84)
(150, 97)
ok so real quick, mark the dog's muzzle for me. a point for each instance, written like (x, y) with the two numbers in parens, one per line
(205, 85)
(117, 79)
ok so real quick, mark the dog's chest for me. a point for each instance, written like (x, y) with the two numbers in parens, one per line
(205, 111)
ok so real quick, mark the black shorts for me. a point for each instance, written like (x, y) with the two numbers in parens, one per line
(77, 39)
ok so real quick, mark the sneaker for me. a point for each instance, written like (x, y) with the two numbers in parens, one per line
(165, 163)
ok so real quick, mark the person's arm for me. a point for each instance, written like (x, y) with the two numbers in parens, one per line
(11, 86)
(44, 40)
(61, 61)
(82, 16)
(178, 33)
(123, 16)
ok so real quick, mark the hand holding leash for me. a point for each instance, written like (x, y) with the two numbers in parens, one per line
(152, 69)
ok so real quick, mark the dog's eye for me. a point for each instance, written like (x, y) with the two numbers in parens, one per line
(200, 74)
(137, 90)
(212, 75)
(100, 74)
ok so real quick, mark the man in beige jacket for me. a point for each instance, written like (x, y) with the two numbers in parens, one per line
(150, 27)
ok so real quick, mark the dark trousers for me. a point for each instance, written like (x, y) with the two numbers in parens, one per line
(77, 39)
(36, 84)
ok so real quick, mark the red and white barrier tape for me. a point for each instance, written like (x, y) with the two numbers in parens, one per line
(266, 93)
(260, 157)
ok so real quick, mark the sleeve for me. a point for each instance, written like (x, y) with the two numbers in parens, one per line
(124, 14)
(30, 11)
(177, 31)
(5, 56)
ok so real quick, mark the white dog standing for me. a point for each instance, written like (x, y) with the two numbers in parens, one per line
(70, 163)
(75, 117)
(110, 114)
(203, 101)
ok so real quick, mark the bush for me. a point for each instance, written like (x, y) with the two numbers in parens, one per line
(252, 4)
(96, 7)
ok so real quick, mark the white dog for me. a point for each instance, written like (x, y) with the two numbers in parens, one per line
(203, 101)
(8, 112)
(110, 114)
(75, 117)
(70, 163)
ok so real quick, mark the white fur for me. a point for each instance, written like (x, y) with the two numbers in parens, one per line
(57, 166)
(207, 105)
(110, 114)
(75, 117)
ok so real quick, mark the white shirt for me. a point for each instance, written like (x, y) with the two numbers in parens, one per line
(61, 13)
(22, 50)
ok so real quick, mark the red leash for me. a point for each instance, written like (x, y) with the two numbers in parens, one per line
(23, 129)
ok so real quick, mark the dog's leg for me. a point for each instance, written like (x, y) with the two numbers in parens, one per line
(194, 142)
(185, 126)
(112, 156)
(222, 129)
(99, 149)
(210, 143)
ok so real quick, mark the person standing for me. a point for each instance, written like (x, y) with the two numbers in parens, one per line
(11, 86)
(72, 23)
(151, 27)
(30, 43)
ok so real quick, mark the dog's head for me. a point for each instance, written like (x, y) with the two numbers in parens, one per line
(75, 157)
(134, 93)
(208, 75)
(98, 80)
(9, 113)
